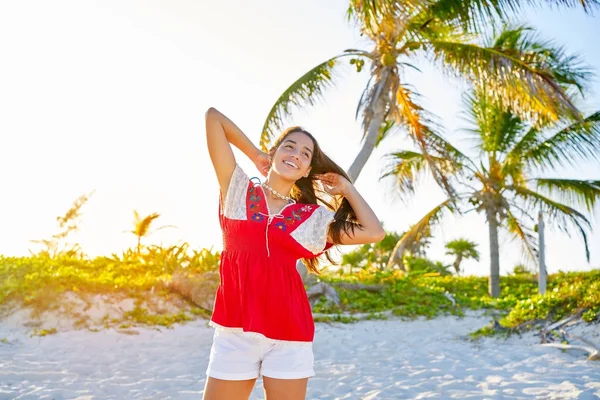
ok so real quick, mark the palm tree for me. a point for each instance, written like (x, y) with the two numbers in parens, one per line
(462, 249)
(142, 227)
(439, 31)
(505, 183)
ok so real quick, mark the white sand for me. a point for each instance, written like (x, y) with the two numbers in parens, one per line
(368, 360)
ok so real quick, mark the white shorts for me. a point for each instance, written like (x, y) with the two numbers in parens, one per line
(237, 355)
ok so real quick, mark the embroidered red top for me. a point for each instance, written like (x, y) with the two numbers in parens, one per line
(260, 289)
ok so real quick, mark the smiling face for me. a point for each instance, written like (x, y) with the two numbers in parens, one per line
(292, 159)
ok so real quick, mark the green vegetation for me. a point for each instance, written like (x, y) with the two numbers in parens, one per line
(461, 249)
(162, 286)
(510, 178)
(427, 295)
(44, 332)
(41, 283)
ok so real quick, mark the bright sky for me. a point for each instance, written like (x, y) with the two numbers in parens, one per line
(110, 96)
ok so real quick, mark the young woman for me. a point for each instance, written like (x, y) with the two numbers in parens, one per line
(262, 316)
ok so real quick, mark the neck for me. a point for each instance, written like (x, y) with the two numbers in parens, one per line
(281, 186)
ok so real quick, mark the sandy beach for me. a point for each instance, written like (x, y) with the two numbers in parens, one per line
(389, 359)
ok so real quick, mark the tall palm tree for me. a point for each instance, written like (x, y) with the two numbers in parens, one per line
(440, 31)
(461, 249)
(506, 182)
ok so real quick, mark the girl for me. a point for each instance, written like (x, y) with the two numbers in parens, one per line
(262, 316)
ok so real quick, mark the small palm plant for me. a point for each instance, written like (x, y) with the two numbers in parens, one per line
(461, 249)
(142, 227)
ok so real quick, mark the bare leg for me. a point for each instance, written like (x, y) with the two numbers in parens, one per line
(219, 389)
(285, 389)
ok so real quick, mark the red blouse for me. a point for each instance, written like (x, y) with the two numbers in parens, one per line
(260, 289)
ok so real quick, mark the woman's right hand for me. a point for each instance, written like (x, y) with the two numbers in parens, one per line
(263, 163)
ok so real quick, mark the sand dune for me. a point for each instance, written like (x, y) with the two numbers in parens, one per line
(390, 359)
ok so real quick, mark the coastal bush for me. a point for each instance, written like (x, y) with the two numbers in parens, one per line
(568, 293)
(429, 295)
(40, 282)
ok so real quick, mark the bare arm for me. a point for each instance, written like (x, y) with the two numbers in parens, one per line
(369, 229)
(221, 133)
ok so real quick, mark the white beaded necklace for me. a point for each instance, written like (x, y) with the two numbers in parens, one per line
(277, 194)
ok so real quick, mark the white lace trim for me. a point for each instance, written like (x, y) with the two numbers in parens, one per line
(235, 200)
(312, 234)
(220, 328)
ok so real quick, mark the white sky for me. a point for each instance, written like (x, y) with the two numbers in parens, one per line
(110, 96)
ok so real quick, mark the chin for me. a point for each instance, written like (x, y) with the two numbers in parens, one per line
(291, 176)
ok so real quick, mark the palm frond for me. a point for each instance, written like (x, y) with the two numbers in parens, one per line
(475, 15)
(556, 213)
(579, 141)
(567, 69)
(497, 129)
(587, 5)
(375, 94)
(386, 129)
(572, 191)
(142, 225)
(362, 101)
(471, 14)
(419, 125)
(519, 81)
(308, 89)
(514, 164)
(372, 14)
(516, 228)
(406, 168)
(525, 142)
(424, 226)
(446, 149)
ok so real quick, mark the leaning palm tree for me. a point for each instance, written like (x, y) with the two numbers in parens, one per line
(506, 183)
(440, 31)
(461, 249)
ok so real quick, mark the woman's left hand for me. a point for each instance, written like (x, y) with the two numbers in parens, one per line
(334, 184)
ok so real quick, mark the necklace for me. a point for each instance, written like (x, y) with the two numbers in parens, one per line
(277, 194)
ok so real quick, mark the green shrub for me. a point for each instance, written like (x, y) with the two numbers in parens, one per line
(418, 295)
(40, 281)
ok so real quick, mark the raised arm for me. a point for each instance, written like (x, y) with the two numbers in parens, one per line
(221, 133)
(369, 228)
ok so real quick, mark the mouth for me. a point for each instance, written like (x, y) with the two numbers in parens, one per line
(291, 164)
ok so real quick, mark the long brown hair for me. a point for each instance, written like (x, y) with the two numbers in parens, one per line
(306, 191)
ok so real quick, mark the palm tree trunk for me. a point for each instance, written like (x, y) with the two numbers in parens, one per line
(541, 255)
(457, 263)
(372, 133)
(494, 280)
